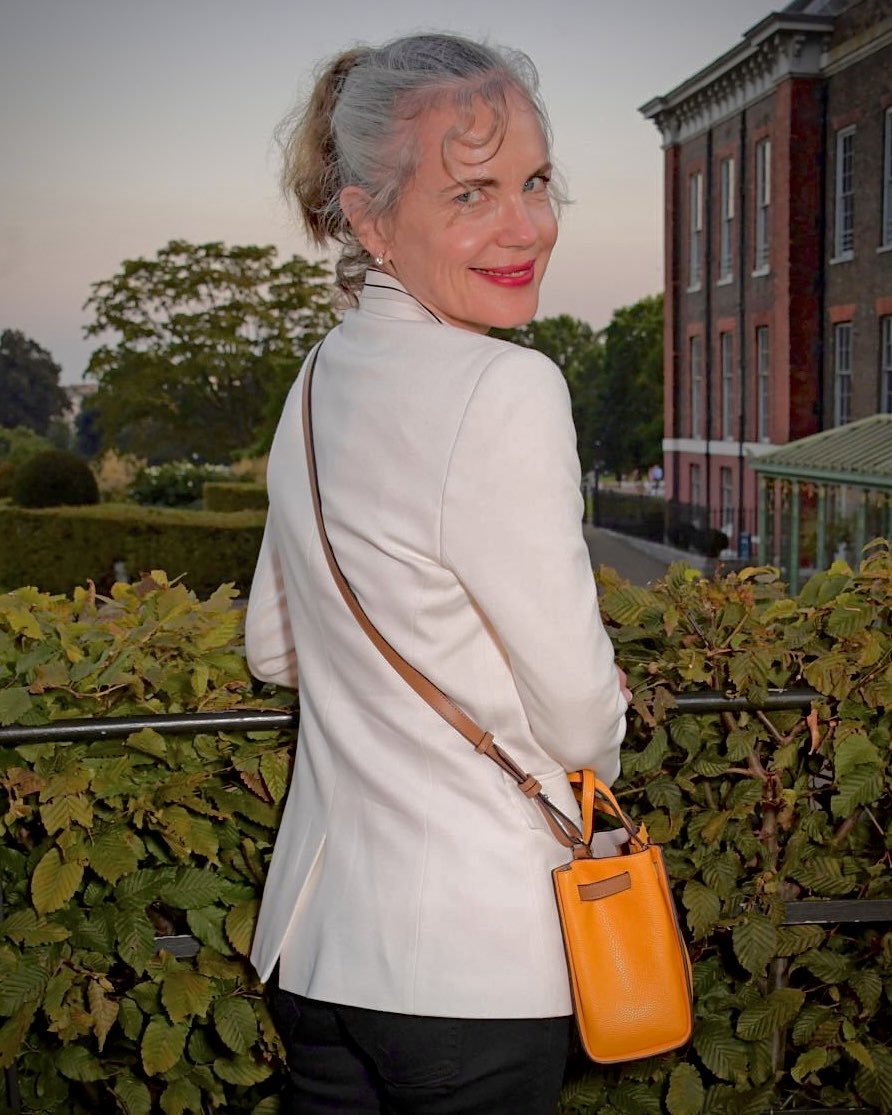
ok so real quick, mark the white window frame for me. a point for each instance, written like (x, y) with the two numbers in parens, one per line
(763, 381)
(696, 481)
(695, 226)
(844, 197)
(726, 500)
(726, 355)
(762, 254)
(695, 363)
(886, 229)
(842, 373)
(726, 219)
(886, 364)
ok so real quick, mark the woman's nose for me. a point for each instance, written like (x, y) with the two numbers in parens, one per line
(518, 226)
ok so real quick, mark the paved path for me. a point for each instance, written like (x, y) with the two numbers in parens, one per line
(639, 561)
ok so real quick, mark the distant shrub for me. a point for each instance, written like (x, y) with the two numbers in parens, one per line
(115, 472)
(54, 478)
(174, 484)
(235, 496)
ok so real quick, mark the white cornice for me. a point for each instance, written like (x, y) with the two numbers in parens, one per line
(779, 47)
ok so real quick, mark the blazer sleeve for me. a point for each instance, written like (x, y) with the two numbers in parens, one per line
(511, 531)
(269, 640)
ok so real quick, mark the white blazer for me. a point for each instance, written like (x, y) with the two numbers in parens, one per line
(409, 873)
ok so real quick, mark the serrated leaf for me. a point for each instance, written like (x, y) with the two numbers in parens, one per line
(703, 906)
(868, 986)
(685, 1095)
(822, 874)
(103, 1011)
(718, 1049)
(861, 786)
(849, 616)
(130, 1018)
(269, 1105)
(62, 812)
(136, 937)
(828, 967)
(13, 1033)
(207, 926)
(240, 923)
(54, 882)
(76, 1062)
(812, 1060)
(765, 1017)
(133, 1096)
(113, 854)
(181, 1096)
(755, 942)
(236, 1023)
(794, 939)
(15, 704)
(875, 1085)
(275, 767)
(185, 993)
(162, 1045)
(859, 1053)
(191, 888)
(23, 984)
(241, 1070)
(148, 742)
(854, 751)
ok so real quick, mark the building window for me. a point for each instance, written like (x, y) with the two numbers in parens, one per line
(727, 356)
(696, 487)
(844, 219)
(726, 496)
(763, 203)
(886, 364)
(726, 218)
(887, 182)
(763, 371)
(842, 358)
(696, 357)
(695, 224)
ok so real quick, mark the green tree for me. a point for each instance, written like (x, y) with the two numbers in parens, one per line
(628, 397)
(30, 394)
(204, 341)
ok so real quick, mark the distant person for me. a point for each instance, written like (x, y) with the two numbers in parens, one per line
(655, 475)
(409, 903)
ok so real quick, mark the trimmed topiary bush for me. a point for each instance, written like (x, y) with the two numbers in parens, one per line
(235, 496)
(54, 478)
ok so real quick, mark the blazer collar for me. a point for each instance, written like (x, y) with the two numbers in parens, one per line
(385, 296)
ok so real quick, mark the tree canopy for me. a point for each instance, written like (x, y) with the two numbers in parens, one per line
(200, 346)
(30, 394)
(615, 379)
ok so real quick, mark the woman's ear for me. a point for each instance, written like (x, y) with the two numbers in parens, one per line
(355, 204)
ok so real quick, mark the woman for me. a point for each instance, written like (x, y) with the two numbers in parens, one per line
(409, 903)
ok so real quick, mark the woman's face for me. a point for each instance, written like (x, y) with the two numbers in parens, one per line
(472, 234)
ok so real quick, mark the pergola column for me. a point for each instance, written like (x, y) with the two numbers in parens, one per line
(860, 527)
(762, 519)
(821, 561)
(794, 537)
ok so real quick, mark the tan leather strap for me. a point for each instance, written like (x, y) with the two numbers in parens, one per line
(562, 828)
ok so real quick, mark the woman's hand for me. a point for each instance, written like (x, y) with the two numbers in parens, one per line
(624, 685)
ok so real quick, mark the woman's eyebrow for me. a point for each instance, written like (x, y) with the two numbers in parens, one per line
(482, 181)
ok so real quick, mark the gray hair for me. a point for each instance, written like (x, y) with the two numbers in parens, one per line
(352, 129)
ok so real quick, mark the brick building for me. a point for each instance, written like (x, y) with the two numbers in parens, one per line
(778, 249)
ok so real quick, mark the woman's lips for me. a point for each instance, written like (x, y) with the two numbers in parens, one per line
(516, 274)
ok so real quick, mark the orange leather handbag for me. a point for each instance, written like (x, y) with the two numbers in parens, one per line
(629, 970)
(630, 973)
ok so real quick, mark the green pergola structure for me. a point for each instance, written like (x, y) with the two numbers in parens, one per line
(856, 456)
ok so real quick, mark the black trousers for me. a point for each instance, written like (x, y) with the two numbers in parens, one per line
(367, 1062)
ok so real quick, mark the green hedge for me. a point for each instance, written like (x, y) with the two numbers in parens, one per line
(244, 496)
(105, 845)
(59, 548)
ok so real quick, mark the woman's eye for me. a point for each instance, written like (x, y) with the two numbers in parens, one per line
(536, 183)
(468, 197)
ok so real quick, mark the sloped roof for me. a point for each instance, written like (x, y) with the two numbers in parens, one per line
(859, 454)
(818, 7)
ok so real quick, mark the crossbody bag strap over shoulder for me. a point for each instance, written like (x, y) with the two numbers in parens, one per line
(561, 826)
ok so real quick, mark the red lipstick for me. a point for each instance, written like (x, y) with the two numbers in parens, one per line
(516, 274)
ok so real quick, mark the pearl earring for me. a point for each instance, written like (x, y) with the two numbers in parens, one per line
(379, 260)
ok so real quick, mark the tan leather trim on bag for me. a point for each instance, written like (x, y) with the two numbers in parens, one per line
(591, 892)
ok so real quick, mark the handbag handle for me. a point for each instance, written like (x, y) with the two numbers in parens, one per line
(562, 827)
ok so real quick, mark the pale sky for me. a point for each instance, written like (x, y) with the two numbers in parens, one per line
(126, 123)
